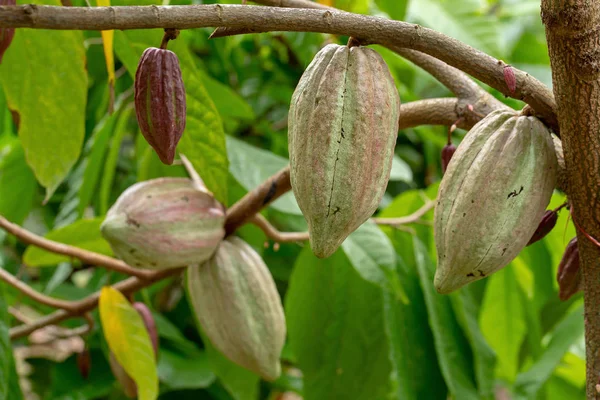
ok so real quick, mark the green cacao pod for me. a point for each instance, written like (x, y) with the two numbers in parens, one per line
(492, 197)
(6, 34)
(164, 223)
(236, 302)
(343, 124)
(160, 101)
(128, 384)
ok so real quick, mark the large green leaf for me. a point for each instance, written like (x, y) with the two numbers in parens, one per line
(337, 330)
(396, 9)
(502, 321)
(251, 166)
(85, 234)
(44, 78)
(17, 183)
(184, 371)
(373, 256)
(129, 341)
(464, 20)
(453, 350)
(566, 333)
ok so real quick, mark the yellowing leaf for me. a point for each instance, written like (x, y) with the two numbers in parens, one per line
(128, 339)
(107, 41)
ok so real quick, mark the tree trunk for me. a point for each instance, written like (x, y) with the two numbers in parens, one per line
(572, 31)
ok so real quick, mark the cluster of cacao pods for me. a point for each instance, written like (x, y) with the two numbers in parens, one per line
(492, 197)
(236, 302)
(6, 34)
(164, 223)
(160, 104)
(129, 386)
(343, 124)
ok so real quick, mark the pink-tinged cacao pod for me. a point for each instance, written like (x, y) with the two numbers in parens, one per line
(447, 153)
(164, 223)
(6, 34)
(160, 101)
(569, 276)
(545, 227)
(236, 303)
(492, 197)
(128, 384)
(343, 125)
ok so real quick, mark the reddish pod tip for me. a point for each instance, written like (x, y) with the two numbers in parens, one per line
(447, 153)
(546, 225)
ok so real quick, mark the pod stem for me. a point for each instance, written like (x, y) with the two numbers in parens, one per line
(353, 42)
(170, 34)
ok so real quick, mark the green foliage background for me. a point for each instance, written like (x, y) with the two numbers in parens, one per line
(363, 324)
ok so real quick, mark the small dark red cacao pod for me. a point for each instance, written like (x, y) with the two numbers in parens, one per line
(148, 319)
(510, 79)
(447, 153)
(84, 363)
(160, 101)
(6, 34)
(569, 274)
(546, 225)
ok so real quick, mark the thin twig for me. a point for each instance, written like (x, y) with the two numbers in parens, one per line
(86, 256)
(409, 219)
(34, 294)
(274, 234)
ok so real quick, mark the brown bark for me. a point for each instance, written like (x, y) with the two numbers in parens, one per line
(572, 33)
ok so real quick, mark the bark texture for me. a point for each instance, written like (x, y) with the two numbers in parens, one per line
(572, 28)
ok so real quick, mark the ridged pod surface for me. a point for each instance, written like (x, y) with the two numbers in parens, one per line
(492, 197)
(6, 34)
(164, 223)
(343, 125)
(235, 300)
(160, 101)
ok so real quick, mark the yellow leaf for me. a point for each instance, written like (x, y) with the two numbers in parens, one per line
(107, 41)
(129, 341)
(326, 2)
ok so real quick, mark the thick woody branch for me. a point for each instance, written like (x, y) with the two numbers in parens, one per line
(262, 19)
(60, 248)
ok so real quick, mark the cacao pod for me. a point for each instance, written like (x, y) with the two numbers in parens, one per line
(164, 223)
(569, 273)
(129, 386)
(160, 101)
(492, 197)
(343, 124)
(237, 305)
(84, 362)
(545, 227)
(6, 34)
(447, 153)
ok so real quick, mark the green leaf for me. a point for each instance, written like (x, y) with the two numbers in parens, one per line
(416, 367)
(467, 309)
(251, 166)
(396, 9)
(372, 255)
(45, 81)
(502, 321)
(17, 179)
(400, 171)
(228, 103)
(564, 335)
(466, 21)
(84, 233)
(110, 165)
(452, 348)
(337, 330)
(129, 341)
(184, 371)
(5, 349)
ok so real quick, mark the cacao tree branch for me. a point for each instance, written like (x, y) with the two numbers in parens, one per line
(257, 18)
(274, 234)
(34, 294)
(60, 248)
(409, 219)
(572, 36)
